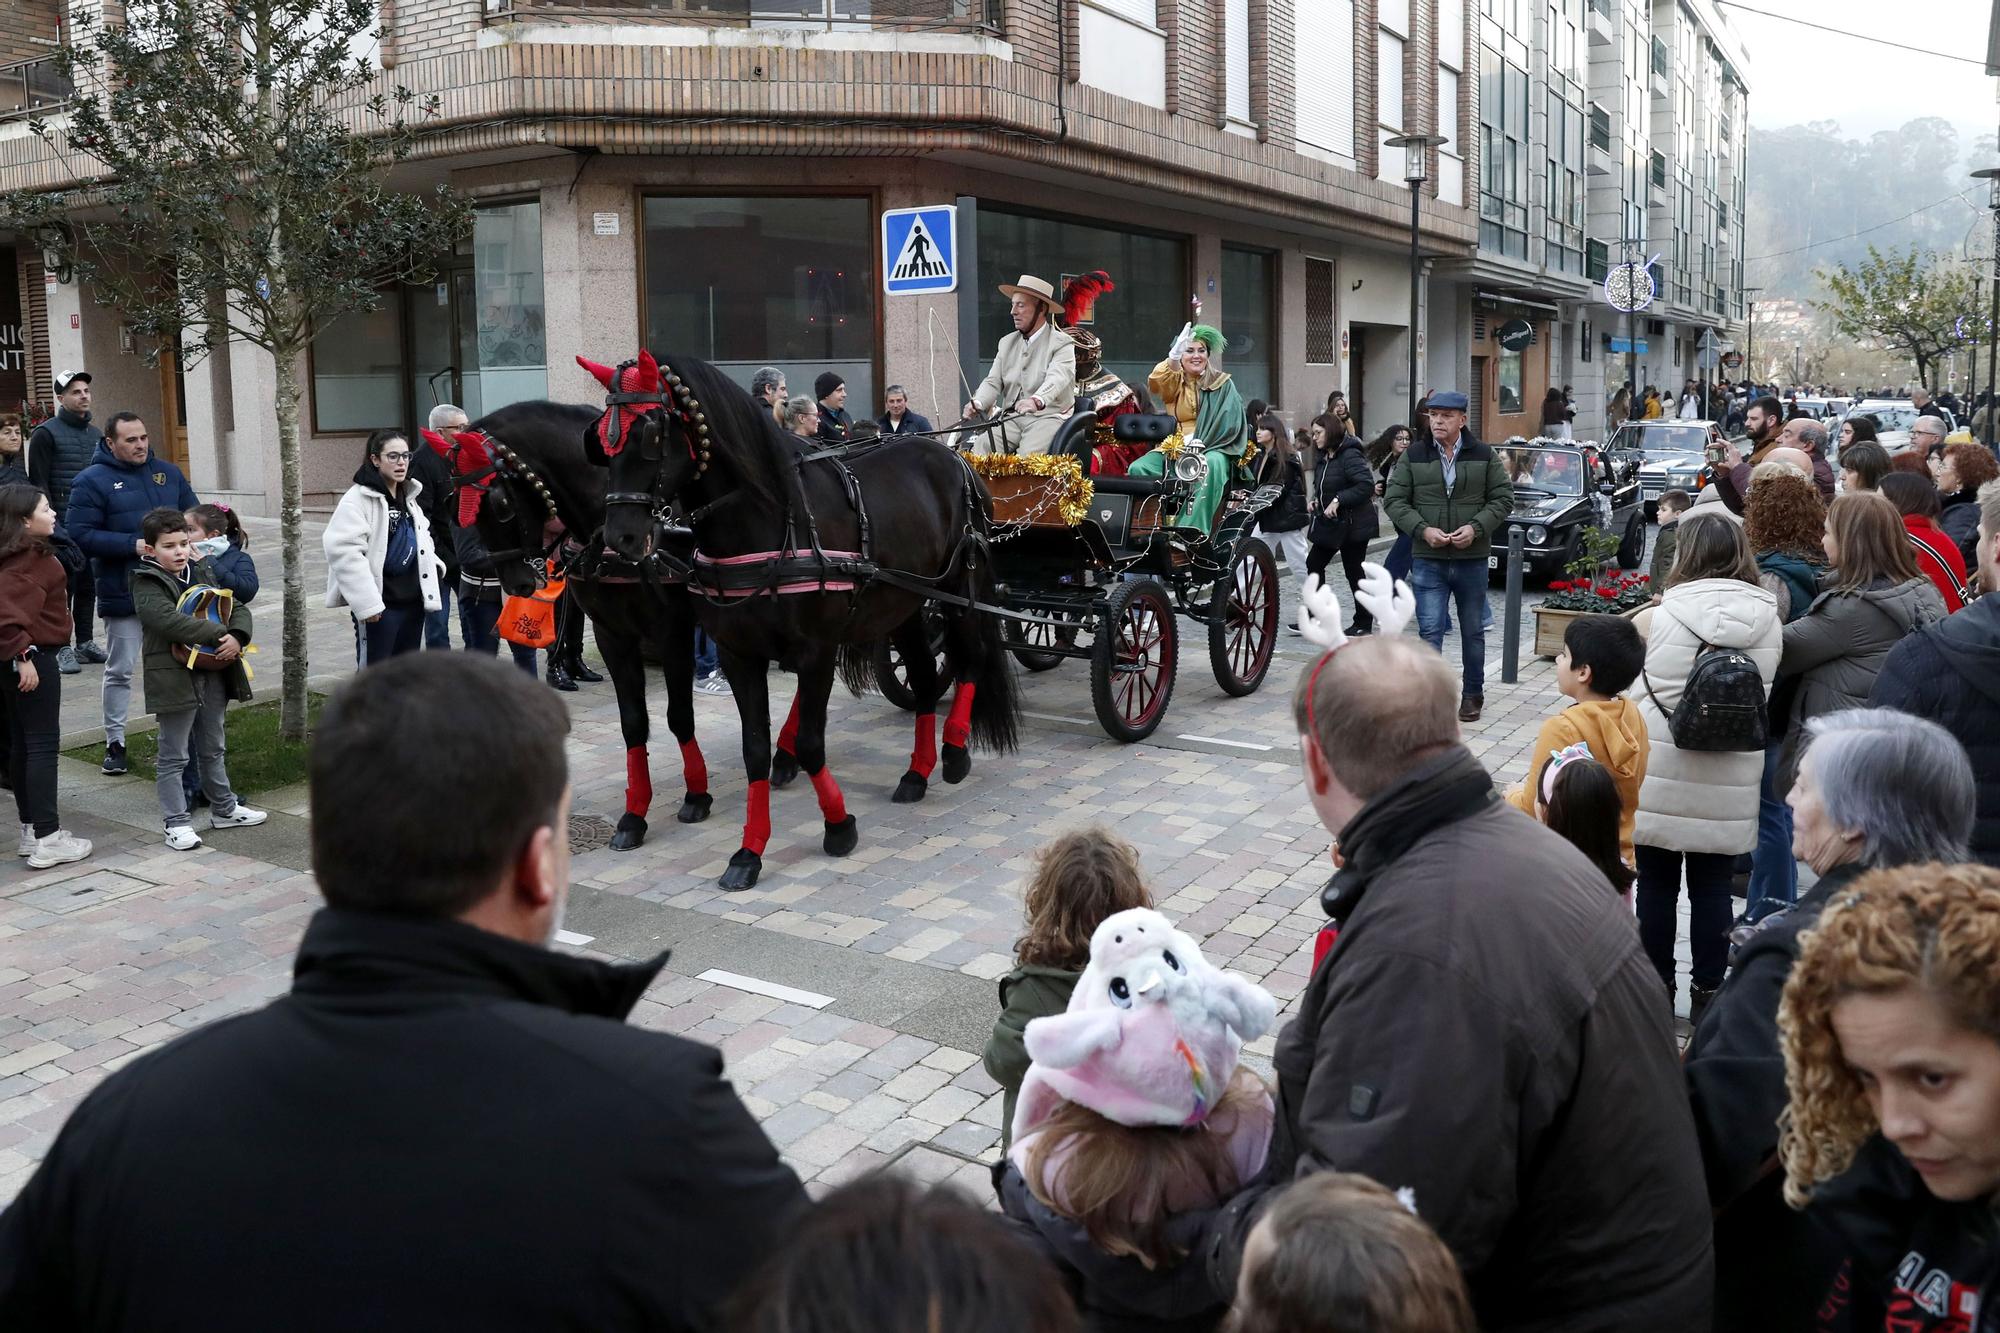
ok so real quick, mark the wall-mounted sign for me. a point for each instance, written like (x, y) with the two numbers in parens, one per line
(1515, 335)
(604, 224)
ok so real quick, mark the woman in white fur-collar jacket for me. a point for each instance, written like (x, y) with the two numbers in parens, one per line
(1698, 807)
(380, 563)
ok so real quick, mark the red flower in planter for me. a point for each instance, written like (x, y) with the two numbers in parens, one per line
(1607, 593)
(1559, 585)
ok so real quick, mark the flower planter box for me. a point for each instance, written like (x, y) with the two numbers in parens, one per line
(1549, 629)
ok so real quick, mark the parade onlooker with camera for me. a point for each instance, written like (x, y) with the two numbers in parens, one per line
(1875, 789)
(59, 450)
(467, 1131)
(107, 502)
(1697, 807)
(34, 625)
(380, 563)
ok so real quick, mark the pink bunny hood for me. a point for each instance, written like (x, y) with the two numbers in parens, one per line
(1152, 1034)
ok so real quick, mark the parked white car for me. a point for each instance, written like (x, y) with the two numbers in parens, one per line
(1893, 419)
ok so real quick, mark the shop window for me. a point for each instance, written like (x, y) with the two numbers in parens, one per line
(750, 282)
(357, 364)
(1136, 322)
(1247, 321)
(1511, 396)
(1319, 312)
(507, 281)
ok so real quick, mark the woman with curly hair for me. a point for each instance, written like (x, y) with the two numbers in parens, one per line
(1785, 520)
(1960, 470)
(1891, 1030)
(1877, 788)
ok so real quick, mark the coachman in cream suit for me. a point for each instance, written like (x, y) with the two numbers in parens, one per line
(1034, 371)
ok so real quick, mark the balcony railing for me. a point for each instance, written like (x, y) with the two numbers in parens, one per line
(31, 87)
(974, 16)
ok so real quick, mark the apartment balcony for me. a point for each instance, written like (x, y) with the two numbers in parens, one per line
(32, 87)
(1661, 77)
(964, 16)
(1600, 161)
(1602, 22)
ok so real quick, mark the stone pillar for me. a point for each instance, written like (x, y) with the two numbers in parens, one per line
(919, 332)
(65, 304)
(590, 301)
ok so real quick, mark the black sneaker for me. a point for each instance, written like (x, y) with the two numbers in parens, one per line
(89, 651)
(559, 678)
(581, 673)
(114, 760)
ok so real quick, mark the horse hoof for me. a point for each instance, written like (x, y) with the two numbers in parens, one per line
(631, 832)
(842, 838)
(911, 789)
(744, 868)
(695, 807)
(784, 767)
(957, 763)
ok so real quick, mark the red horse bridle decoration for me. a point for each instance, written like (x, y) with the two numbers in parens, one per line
(646, 382)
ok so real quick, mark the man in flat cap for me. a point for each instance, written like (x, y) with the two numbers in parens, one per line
(1034, 374)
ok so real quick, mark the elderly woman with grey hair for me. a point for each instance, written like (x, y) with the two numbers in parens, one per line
(1876, 788)
(800, 416)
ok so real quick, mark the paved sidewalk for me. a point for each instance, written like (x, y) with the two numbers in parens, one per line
(851, 997)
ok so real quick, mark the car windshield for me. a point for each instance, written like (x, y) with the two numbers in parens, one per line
(1892, 417)
(1556, 470)
(1661, 438)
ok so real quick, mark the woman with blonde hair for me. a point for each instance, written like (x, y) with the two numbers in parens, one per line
(1891, 1136)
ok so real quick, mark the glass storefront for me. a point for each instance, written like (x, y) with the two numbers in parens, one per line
(745, 282)
(1136, 322)
(472, 336)
(1247, 320)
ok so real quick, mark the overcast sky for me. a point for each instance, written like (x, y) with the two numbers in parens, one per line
(1799, 74)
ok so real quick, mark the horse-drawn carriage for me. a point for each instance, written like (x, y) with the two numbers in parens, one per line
(1095, 568)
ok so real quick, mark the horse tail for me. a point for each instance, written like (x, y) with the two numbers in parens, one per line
(856, 664)
(996, 702)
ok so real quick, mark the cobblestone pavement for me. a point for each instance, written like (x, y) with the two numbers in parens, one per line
(851, 997)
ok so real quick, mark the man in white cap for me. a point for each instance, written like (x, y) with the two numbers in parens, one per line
(1034, 374)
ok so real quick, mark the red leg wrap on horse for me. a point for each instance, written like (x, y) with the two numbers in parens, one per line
(923, 758)
(638, 782)
(757, 817)
(959, 725)
(832, 805)
(788, 735)
(695, 768)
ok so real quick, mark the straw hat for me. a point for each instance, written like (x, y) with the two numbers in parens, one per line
(1034, 289)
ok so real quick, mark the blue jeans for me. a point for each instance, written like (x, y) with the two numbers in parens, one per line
(1774, 874)
(437, 624)
(399, 630)
(705, 661)
(1398, 563)
(1440, 583)
(476, 625)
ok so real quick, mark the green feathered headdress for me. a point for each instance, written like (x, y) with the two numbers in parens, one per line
(1209, 337)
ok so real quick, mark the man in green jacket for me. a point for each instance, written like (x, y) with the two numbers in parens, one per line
(1451, 494)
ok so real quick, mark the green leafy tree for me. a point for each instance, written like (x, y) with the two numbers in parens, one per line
(1911, 302)
(225, 170)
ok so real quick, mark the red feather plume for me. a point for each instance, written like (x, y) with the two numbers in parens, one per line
(1081, 292)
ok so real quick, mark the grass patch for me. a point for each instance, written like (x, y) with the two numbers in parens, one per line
(258, 760)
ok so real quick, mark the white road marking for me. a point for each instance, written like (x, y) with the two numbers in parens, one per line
(1058, 717)
(756, 986)
(1217, 740)
(573, 939)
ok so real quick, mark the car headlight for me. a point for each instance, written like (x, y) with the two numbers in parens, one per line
(1190, 465)
(1538, 535)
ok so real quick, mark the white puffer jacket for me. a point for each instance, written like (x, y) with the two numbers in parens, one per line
(356, 543)
(1695, 801)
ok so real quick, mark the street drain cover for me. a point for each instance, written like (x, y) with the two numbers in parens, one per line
(588, 833)
(78, 892)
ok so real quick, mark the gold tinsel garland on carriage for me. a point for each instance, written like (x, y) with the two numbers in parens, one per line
(1051, 485)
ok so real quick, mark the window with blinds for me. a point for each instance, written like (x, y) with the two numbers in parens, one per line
(1139, 11)
(1319, 312)
(1323, 49)
(1236, 59)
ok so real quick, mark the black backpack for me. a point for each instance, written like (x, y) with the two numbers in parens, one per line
(1722, 708)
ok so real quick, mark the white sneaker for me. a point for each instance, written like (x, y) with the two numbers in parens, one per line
(57, 849)
(241, 817)
(27, 847)
(182, 837)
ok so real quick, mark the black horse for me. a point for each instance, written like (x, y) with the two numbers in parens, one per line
(542, 499)
(803, 555)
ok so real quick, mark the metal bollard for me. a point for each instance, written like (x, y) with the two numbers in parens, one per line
(1510, 642)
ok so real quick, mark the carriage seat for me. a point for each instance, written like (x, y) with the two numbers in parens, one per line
(1078, 437)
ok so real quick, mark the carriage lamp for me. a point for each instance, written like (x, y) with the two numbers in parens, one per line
(1190, 465)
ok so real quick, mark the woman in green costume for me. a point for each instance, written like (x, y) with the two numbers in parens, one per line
(1204, 401)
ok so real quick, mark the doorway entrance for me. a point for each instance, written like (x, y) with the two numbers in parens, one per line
(171, 440)
(441, 329)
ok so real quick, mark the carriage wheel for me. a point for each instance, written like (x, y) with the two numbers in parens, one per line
(1024, 641)
(1243, 620)
(892, 674)
(1132, 660)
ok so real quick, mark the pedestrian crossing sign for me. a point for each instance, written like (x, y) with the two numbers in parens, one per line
(920, 250)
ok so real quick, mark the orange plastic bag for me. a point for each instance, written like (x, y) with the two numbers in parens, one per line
(531, 621)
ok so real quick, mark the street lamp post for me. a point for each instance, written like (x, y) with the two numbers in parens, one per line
(1750, 333)
(1416, 170)
(1991, 175)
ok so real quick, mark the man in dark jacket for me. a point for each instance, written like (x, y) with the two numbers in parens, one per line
(1484, 1028)
(106, 503)
(1450, 494)
(445, 1124)
(834, 422)
(439, 501)
(897, 418)
(60, 448)
(1950, 673)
